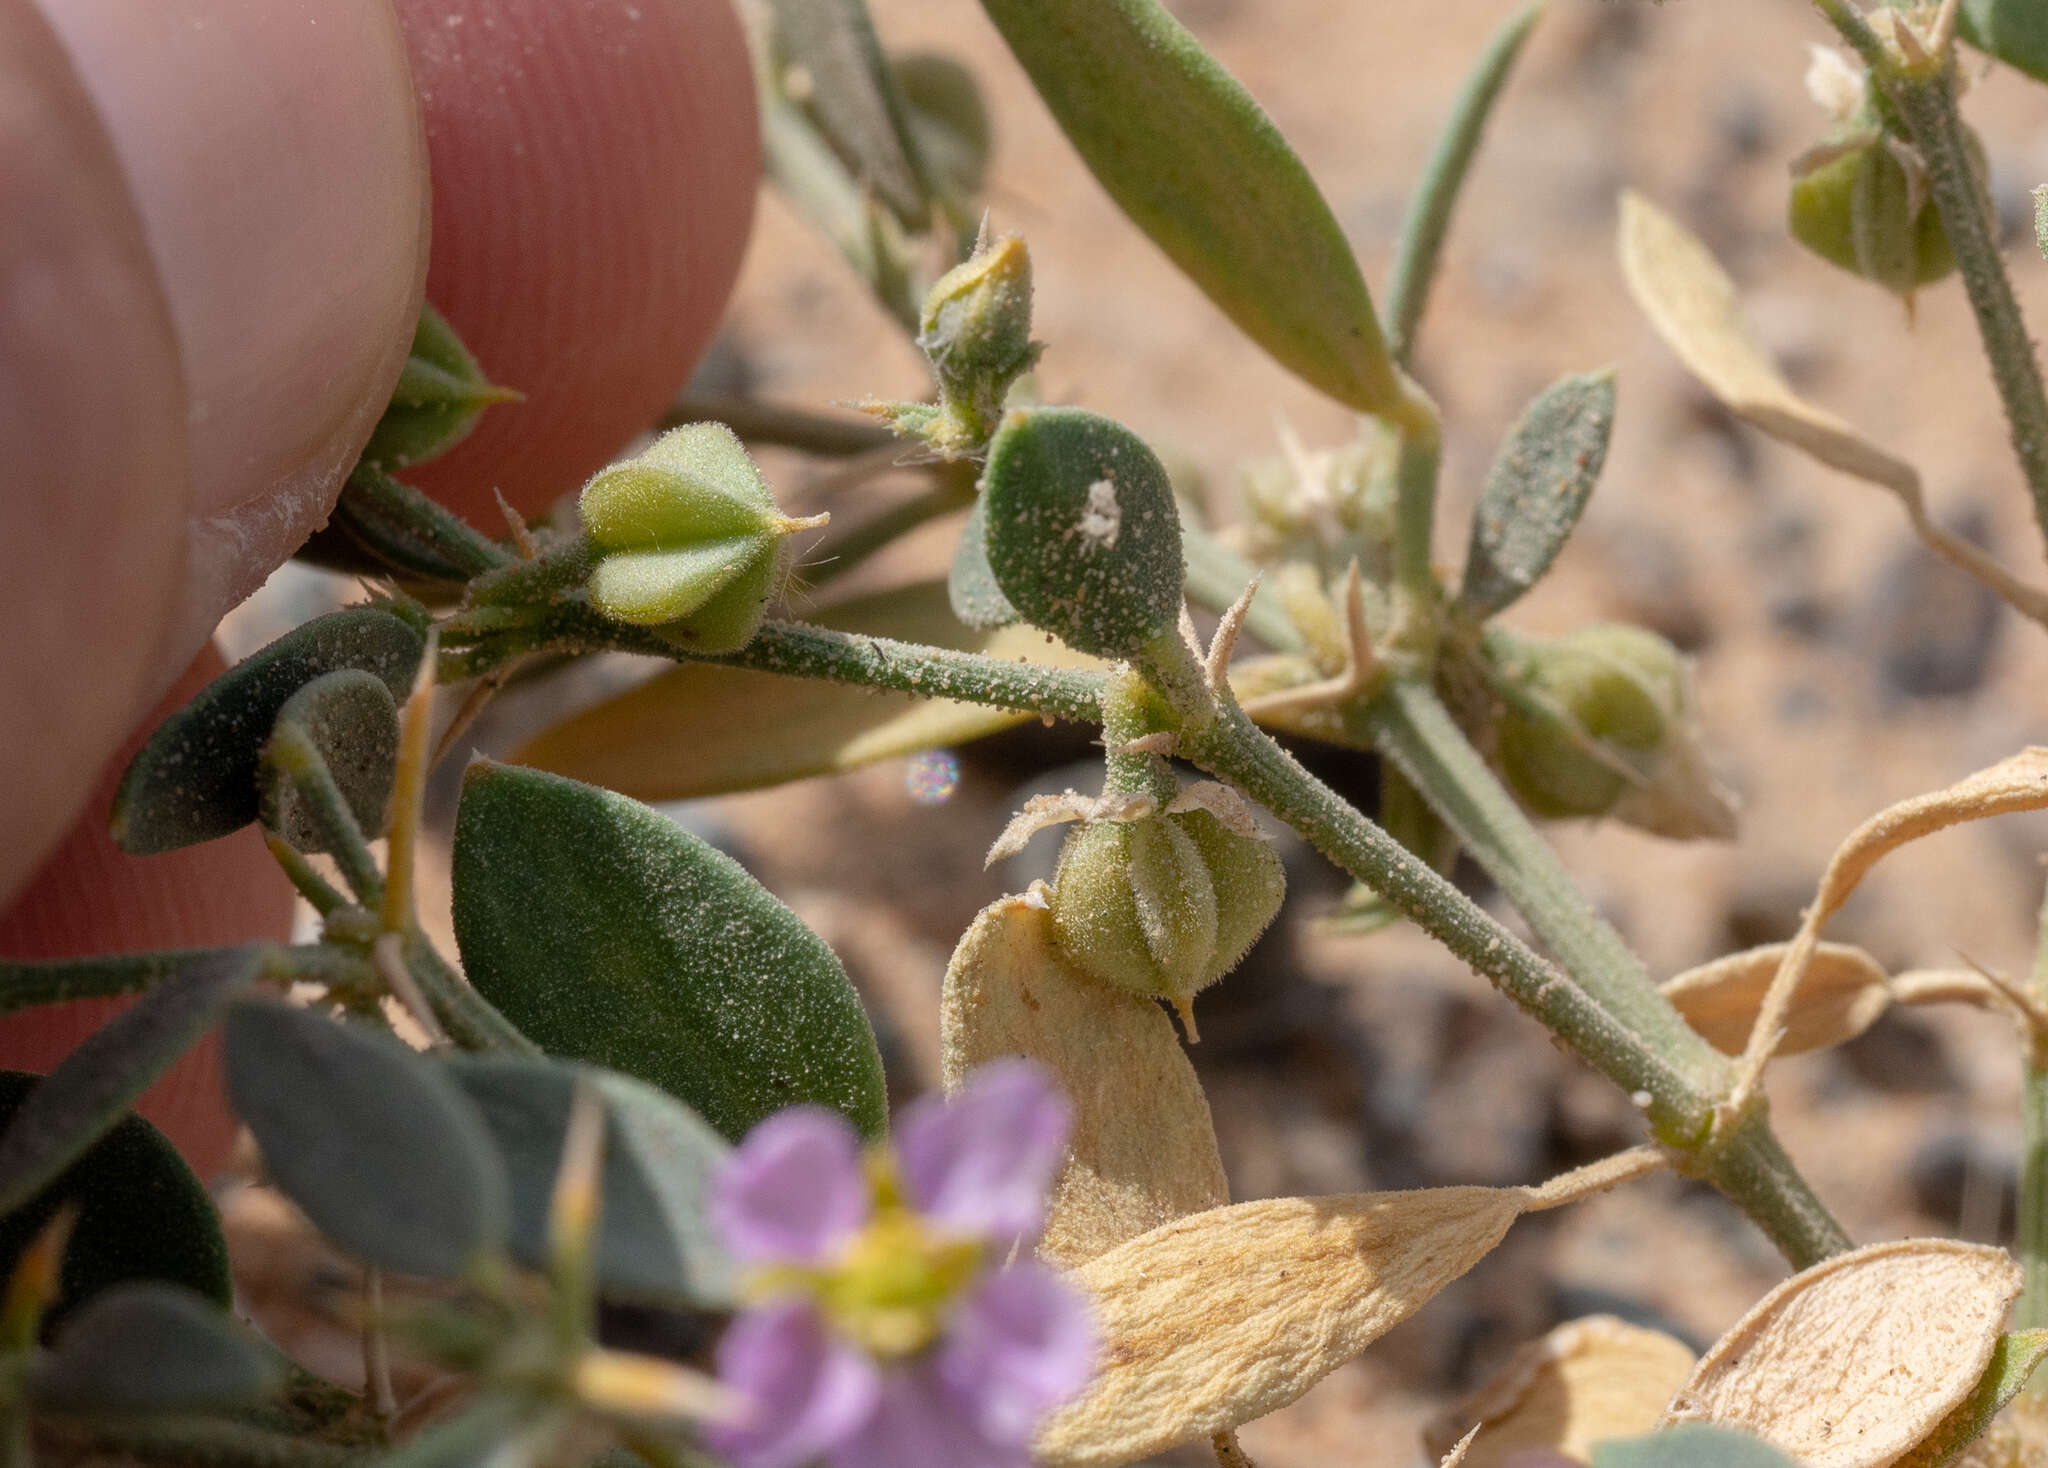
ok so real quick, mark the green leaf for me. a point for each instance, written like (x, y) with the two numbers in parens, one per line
(90, 1090)
(352, 719)
(853, 94)
(380, 1149)
(971, 588)
(744, 730)
(153, 1347)
(659, 1159)
(1083, 533)
(440, 394)
(1691, 1445)
(2013, 1360)
(380, 524)
(1189, 156)
(1536, 490)
(1429, 213)
(196, 778)
(2015, 31)
(610, 935)
(142, 1214)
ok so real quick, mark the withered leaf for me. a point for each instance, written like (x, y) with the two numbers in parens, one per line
(1587, 1381)
(1144, 1148)
(1215, 1319)
(1842, 995)
(1851, 1363)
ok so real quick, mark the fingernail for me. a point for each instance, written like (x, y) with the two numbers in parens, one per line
(274, 153)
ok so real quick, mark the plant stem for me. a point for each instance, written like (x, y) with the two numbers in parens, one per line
(1436, 194)
(2032, 1243)
(1924, 96)
(471, 1020)
(1746, 1163)
(1415, 518)
(784, 424)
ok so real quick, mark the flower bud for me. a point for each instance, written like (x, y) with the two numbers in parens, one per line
(1606, 728)
(1165, 905)
(440, 394)
(689, 539)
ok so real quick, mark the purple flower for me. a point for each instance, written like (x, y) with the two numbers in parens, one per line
(890, 1332)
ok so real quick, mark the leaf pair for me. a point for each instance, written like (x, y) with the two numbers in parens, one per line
(441, 1169)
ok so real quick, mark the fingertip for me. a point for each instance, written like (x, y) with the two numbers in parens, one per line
(594, 170)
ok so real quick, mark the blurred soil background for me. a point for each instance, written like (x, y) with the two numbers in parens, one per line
(1841, 667)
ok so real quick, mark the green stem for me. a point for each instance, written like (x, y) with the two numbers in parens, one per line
(1923, 94)
(1415, 522)
(471, 1020)
(783, 424)
(2032, 1243)
(1410, 725)
(293, 754)
(382, 503)
(1745, 1162)
(1429, 213)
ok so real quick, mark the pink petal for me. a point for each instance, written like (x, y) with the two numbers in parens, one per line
(918, 1423)
(1019, 1346)
(806, 1393)
(979, 1163)
(793, 1191)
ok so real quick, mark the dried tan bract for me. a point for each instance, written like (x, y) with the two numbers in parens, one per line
(1842, 995)
(1849, 1364)
(1692, 303)
(1215, 1319)
(1587, 1381)
(1144, 1148)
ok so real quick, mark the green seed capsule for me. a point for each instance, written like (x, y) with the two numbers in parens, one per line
(440, 394)
(1607, 698)
(1163, 906)
(690, 539)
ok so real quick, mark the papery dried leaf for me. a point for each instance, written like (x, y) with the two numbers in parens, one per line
(1143, 1150)
(1043, 811)
(1587, 1381)
(1222, 802)
(2012, 1362)
(1842, 995)
(1852, 1362)
(1213, 1320)
(1455, 1458)
(2015, 784)
(1691, 301)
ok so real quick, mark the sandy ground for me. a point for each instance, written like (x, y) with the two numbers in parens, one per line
(1840, 669)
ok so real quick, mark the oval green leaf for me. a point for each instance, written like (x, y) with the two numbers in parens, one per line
(700, 729)
(1083, 533)
(1193, 160)
(380, 1149)
(90, 1090)
(153, 1347)
(196, 778)
(141, 1214)
(1536, 490)
(659, 1157)
(610, 935)
(351, 717)
(971, 587)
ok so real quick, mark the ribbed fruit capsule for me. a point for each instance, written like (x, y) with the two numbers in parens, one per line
(1166, 905)
(689, 539)
(1615, 688)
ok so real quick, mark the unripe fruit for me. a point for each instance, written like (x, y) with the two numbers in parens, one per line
(690, 539)
(1163, 906)
(1619, 687)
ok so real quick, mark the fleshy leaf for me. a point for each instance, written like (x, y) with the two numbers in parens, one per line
(1193, 161)
(196, 778)
(611, 935)
(745, 730)
(352, 719)
(1083, 534)
(91, 1088)
(1536, 490)
(1585, 1382)
(153, 1347)
(1694, 1445)
(1852, 1362)
(2013, 1360)
(1143, 1148)
(380, 1149)
(1220, 1317)
(659, 1158)
(853, 93)
(142, 1214)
